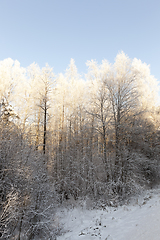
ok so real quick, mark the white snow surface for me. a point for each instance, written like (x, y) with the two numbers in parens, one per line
(137, 220)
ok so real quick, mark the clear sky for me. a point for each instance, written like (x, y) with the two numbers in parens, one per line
(54, 31)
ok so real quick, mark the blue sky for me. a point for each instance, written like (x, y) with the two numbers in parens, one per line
(54, 31)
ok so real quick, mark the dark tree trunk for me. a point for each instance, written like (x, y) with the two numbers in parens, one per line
(45, 127)
(20, 227)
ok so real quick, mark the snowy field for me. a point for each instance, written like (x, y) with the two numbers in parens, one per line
(137, 220)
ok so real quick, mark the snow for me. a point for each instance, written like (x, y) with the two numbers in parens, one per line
(137, 220)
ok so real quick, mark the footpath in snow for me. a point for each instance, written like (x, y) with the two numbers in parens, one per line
(139, 220)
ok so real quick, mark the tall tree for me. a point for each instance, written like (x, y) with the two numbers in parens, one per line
(123, 96)
(42, 81)
(99, 106)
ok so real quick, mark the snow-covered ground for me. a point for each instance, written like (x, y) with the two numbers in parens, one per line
(138, 220)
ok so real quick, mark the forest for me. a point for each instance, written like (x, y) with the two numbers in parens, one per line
(69, 136)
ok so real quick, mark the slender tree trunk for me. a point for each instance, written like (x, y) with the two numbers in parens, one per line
(20, 227)
(37, 129)
(45, 127)
(104, 135)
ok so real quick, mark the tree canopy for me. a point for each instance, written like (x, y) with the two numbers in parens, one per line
(72, 136)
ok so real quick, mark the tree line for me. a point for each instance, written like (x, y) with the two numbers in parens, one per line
(71, 136)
